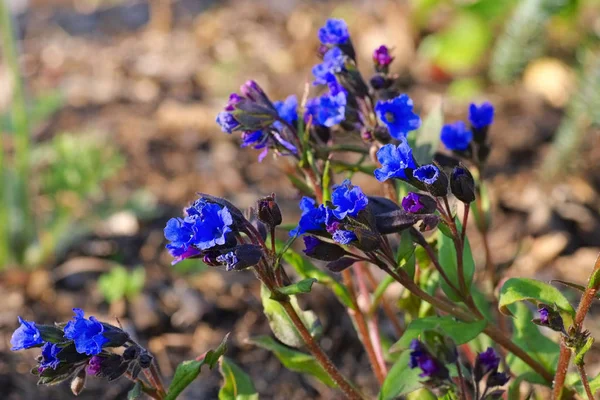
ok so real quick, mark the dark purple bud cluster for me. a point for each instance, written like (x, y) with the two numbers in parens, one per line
(486, 365)
(549, 317)
(80, 348)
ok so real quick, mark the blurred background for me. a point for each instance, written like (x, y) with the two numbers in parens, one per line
(107, 111)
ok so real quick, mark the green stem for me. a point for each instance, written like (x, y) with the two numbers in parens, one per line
(20, 124)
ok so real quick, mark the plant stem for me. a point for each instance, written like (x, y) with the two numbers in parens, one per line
(145, 388)
(584, 306)
(155, 380)
(585, 382)
(464, 223)
(20, 125)
(463, 387)
(319, 355)
(385, 305)
(361, 326)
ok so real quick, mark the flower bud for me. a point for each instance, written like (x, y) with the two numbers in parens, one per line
(145, 360)
(241, 257)
(116, 336)
(497, 379)
(78, 383)
(462, 185)
(382, 134)
(341, 264)
(51, 333)
(379, 82)
(254, 92)
(367, 240)
(131, 353)
(418, 204)
(550, 318)
(484, 363)
(382, 58)
(269, 212)
(321, 250)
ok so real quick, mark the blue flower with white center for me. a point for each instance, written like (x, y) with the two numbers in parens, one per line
(427, 174)
(456, 136)
(481, 116)
(335, 31)
(85, 333)
(312, 219)
(49, 356)
(229, 259)
(344, 237)
(26, 336)
(397, 114)
(348, 200)
(226, 122)
(333, 63)
(394, 161)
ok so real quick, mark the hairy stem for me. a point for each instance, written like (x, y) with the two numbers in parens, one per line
(584, 306)
(461, 379)
(320, 356)
(585, 382)
(361, 326)
(155, 379)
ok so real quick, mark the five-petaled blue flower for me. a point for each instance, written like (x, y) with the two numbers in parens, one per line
(312, 219)
(427, 174)
(49, 356)
(420, 358)
(27, 335)
(333, 62)
(86, 333)
(397, 114)
(348, 200)
(394, 161)
(344, 237)
(335, 31)
(456, 136)
(206, 225)
(481, 116)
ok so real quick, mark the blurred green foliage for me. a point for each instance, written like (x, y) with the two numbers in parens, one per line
(120, 284)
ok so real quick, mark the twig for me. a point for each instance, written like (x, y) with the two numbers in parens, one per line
(585, 382)
(463, 387)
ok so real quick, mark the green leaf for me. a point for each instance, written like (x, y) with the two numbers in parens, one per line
(447, 256)
(401, 379)
(282, 325)
(527, 336)
(326, 182)
(135, 392)
(525, 289)
(580, 353)
(294, 360)
(237, 384)
(304, 286)
(306, 269)
(428, 136)
(189, 370)
(459, 332)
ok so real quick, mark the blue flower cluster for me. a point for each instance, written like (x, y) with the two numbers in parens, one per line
(348, 201)
(205, 226)
(334, 32)
(458, 137)
(328, 109)
(86, 334)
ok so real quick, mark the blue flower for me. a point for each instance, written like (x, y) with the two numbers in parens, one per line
(397, 114)
(488, 360)
(229, 259)
(287, 109)
(227, 122)
(394, 160)
(348, 200)
(312, 219)
(412, 203)
(206, 225)
(332, 109)
(310, 243)
(49, 356)
(427, 174)
(481, 115)
(27, 335)
(333, 62)
(86, 333)
(344, 237)
(420, 358)
(335, 31)
(456, 136)
(544, 316)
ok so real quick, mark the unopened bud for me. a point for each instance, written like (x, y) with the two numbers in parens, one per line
(268, 211)
(145, 360)
(341, 264)
(321, 250)
(462, 185)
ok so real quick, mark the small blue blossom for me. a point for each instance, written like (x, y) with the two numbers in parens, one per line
(344, 237)
(544, 316)
(287, 109)
(86, 333)
(427, 174)
(333, 63)
(348, 200)
(27, 335)
(229, 259)
(310, 243)
(412, 203)
(397, 114)
(481, 116)
(227, 122)
(312, 219)
(488, 360)
(49, 356)
(331, 109)
(420, 358)
(335, 31)
(394, 160)
(206, 225)
(456, 136)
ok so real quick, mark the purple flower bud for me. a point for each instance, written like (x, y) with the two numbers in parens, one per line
(550, 318)
(366, 135)
(94, 365)
(544, 315)
(382, 57)
(411, 203)
(234, 99)
(497, 379)
(420, 358)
